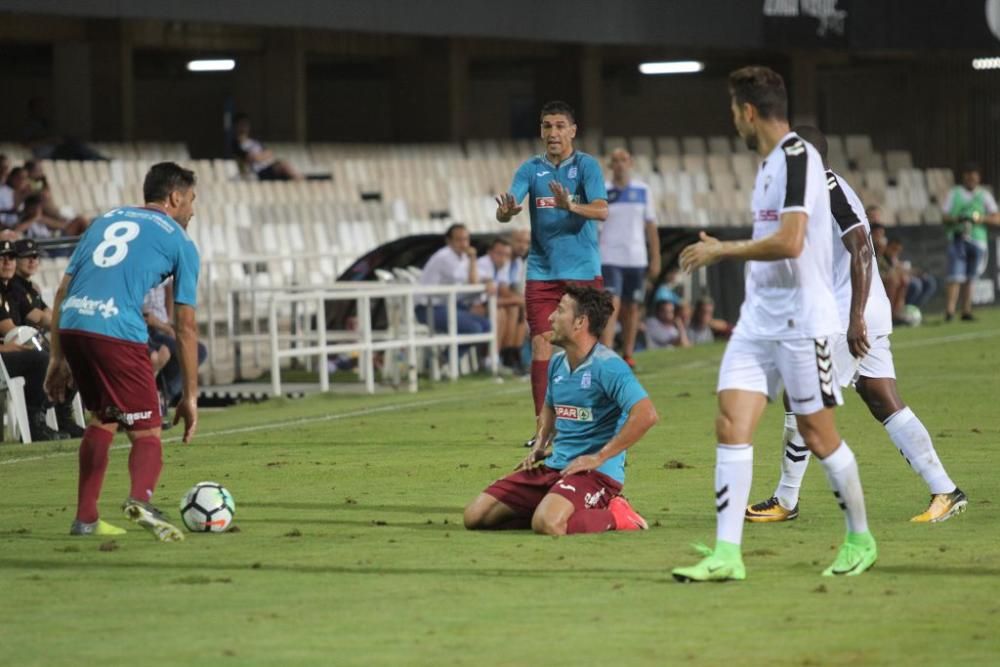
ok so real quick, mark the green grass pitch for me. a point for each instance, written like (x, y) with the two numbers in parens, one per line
(351, 549)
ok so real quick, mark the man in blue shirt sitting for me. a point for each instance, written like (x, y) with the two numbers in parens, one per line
(594, 410)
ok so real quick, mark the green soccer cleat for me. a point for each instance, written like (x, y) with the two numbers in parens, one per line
(99, 527)
(725, 563)
(152, 519)
(857, 554)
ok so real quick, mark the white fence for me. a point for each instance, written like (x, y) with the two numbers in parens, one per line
(403, 333)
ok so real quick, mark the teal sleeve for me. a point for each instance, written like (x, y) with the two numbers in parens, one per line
(186, 274)
(621, 386)
(593, 181)
(522, 182)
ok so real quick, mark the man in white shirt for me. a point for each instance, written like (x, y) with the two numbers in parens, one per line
(494, 270)
(863, 359)
(785, 331)
(625, 261)
(454, 264)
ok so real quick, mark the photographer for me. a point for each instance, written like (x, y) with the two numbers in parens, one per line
(967, 210)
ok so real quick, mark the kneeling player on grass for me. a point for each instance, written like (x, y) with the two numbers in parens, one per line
(594, 410)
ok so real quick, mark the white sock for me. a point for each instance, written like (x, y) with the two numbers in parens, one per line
(733, 475)
(914, 443)
(794, 462)
(842, 472)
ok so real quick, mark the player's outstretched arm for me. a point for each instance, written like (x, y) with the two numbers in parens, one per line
(187, 346)
(641, 418)
(507, 207)
(786, 243)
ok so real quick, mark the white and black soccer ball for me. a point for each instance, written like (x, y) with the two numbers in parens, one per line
(207, 508)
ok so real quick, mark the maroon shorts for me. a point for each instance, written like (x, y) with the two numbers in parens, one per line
(522, 491)
(541, 298)
(114, 378)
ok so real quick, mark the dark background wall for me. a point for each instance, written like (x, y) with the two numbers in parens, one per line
(898, 71)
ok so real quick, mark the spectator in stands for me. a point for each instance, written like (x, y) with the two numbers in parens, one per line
(4, 167)
(28, 259)
(494, 270)
(454, 264)
(47, 144)
(34, 223)
(968, 208)
(664, 328)
(13, 192)
(520, 245)
(704, 327)
(53, 217)
(256, 158)
(29, 360)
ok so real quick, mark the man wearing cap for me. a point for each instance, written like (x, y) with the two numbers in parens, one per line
(27, 266)
(27, 360)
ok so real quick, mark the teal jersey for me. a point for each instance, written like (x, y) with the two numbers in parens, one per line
(563, 245)
(122, 255)
(591, 403)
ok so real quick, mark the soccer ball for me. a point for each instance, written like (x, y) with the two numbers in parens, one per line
(207, 508)
(913, 315)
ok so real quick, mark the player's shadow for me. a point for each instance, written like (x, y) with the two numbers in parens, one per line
(373, 522)
(650, 575)
(337, 506)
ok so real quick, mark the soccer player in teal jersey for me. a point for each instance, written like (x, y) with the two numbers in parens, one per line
(99, 341)
(566, 198)
(594, 410)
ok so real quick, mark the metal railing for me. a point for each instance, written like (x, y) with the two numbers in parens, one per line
(365, 343)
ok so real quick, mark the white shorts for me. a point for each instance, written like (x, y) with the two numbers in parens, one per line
(804, 366)
(876, 364)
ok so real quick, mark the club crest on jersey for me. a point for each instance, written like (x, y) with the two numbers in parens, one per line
(571, 174)
(574, 413)
(585, 380)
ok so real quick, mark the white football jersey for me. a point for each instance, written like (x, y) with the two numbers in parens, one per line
(791, 298)
(848, 213)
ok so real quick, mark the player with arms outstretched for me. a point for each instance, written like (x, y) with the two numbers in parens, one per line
(566, 198)
(785, 330)
(99, 343)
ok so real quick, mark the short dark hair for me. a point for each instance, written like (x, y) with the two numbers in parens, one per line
(815, 137)
(970, 167)
(596, 304)
(451, 229)
(240, 116)
(877, 227)
(164, 178)
(16, 171)
(499, 240)
(558, 107)
(762, 87)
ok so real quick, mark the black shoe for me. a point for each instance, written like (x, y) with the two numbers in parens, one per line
(67, 422)
(968, 317)
(40, 431)
(948, 317)
(531, 442)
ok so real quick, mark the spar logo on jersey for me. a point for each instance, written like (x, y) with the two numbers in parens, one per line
(89, 307)
(550, 202)
(574, 413)
(766, 215)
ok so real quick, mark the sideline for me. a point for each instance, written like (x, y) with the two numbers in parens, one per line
(392, 407)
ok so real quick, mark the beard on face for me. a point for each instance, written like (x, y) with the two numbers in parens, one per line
(751, 141)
